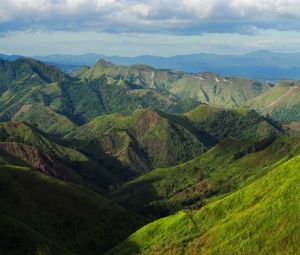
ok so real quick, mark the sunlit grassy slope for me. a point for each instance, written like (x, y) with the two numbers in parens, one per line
(45, 119)
(36, 92)
(203, 87)
(230, 165)
(282, 102)
(213, 89)
(262, 218)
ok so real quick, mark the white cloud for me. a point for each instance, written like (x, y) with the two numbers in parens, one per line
(202, 8)
(142, 9)
(168, 16)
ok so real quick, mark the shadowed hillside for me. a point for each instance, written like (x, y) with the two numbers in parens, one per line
(58, 158)
(42, 215)
(145, 139)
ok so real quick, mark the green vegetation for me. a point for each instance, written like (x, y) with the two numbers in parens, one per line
(33, 146)
(141, 75)
(239, 123)
(205, 87)
(230, 165)
(213, 89)
(27, 82)
(45, 119)
(151, 138)
(41, 215)
(67, 139)
(262, 218)
(281, 102)
(144, 140)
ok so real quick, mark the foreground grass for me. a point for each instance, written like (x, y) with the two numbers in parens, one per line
(262, 218)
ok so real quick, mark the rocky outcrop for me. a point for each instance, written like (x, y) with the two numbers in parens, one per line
(40, 160)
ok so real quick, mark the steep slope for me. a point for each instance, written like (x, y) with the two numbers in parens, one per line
(294, 127)
(142, 75)
(150, 138)
(282, 102)
(40, 160)
(29, 88)
(57, 158)
(80, 71)
(41, 215)
(239, 123)
(45, 119)
(204, 87)
(27, 72)
(146, 139)
(26, 82)
(262, 218)
(213, 89)
(228, 166)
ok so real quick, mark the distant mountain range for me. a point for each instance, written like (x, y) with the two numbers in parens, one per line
(261, 65)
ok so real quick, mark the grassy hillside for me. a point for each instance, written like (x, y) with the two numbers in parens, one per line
(42, 161)
(141, 75)
(31, 89)
(150, 138)
(240, 123)
(262, 218)
(229, 166)
(204, 87)
(144, 140)
(281, 102)
(213, 89)
(107, 127)
(26, 73)
(57, 158)
(45, 119)
(41, 94)
(43, 216)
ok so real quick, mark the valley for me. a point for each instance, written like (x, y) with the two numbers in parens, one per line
(114, 159)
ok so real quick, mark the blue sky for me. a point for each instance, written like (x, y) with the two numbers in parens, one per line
(165, 27)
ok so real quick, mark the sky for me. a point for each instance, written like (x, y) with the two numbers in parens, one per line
(148, 27)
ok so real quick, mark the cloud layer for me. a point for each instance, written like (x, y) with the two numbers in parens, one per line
(159, 16)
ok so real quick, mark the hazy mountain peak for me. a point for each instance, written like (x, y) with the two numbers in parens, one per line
(104, 63)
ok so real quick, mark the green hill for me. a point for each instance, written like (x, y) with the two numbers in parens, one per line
(150, 138)
(30, 88)
(262, 218)
(41, 215)
(58, 158)
(213, 89)
(146, 139)
(45, 119)
(155, 141)
(204, 87)
(25, 72)
(282, 102)
(240, 123)
(230, 165)
(141, 75)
